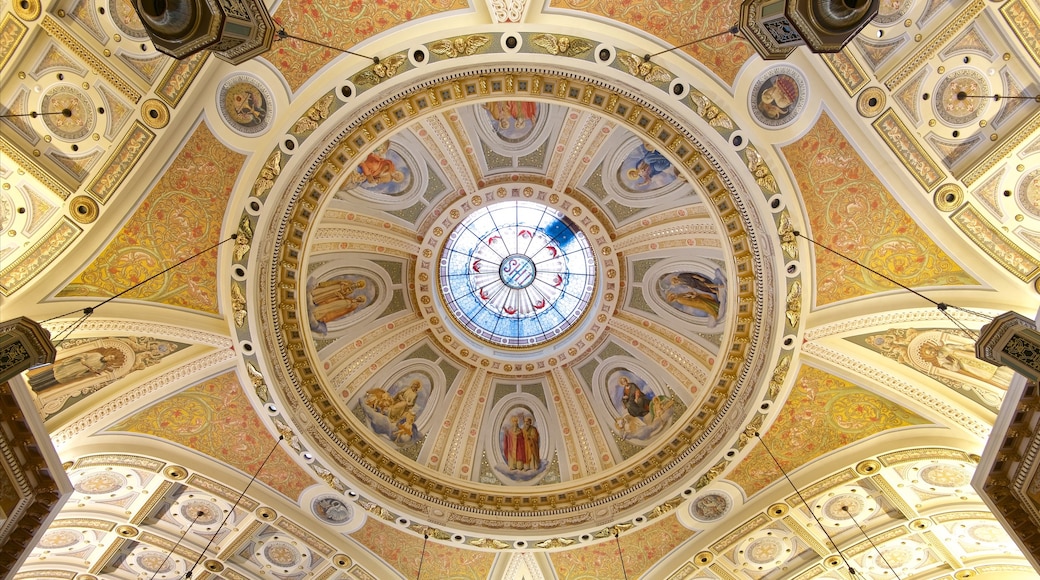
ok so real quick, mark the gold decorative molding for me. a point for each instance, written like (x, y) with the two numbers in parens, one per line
(27, 9)
(33, 168)
(998, 246)
(917, 454)
(38, 257)
(948, 197)
(997, 155)
(910, 153)
(892, 495)
(935, 43)
(155, 113)
(11, 33)
(54, 29)
(1023, 19)
(806, 536)
(846, 69)
(113, 549)
(121, 162)
(178, 78)
(158, 496)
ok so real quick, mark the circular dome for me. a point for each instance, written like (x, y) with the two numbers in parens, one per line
(517, 273)
(519, 315)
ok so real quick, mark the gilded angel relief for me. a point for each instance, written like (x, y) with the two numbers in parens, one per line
(460, 46)
(381, 70)
(564, 45)
(314, 116)
(644, 69)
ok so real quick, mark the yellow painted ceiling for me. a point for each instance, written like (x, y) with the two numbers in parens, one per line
(346, 184)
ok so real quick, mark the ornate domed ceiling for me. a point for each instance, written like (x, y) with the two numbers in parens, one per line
(514, 301)
(485, 299)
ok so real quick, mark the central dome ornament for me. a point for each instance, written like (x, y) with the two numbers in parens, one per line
(517, 273)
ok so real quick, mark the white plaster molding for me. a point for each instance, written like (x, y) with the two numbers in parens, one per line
(926, 399)
(507, 11)
(117, 326)
(887, 319)
(97, 416)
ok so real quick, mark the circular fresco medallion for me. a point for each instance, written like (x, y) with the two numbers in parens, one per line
(767, 550)
(155, 561)
(945, 475)
(100, 483)
(331, 509)
(60, 538)
(281, 553)
(988, 533)
(245, 104)
(207, 512)
(81, 120)
(710, 507)
(1028, 193)
(517, 273)
(778, 96)
(952, 102)
(843, 507)
(126, 19)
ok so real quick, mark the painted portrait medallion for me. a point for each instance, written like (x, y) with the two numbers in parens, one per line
(778, 96)
(245, 104)
(332, 509)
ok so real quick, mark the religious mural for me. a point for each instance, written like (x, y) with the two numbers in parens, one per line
(336, 298)
(512, 121)
(945, 356)
(645, 169)
(639, 411)
(384, 171)
(523, 455)
(85, 366)
(392, 411)
(695, 294)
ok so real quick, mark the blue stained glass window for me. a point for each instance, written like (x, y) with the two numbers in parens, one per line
(517, 273)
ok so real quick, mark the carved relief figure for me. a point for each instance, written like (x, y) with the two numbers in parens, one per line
(646, 169)
(392, 412)
(695, 294)
(640, 412)
(336, 298)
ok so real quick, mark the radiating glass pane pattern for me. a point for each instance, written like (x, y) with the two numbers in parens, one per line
(517, 273)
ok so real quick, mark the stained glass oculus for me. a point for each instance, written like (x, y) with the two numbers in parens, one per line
(517, 273)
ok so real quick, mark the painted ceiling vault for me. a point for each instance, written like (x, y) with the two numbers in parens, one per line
(514, 302)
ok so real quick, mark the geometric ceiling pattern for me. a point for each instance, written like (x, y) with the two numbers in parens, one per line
(391, 371)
